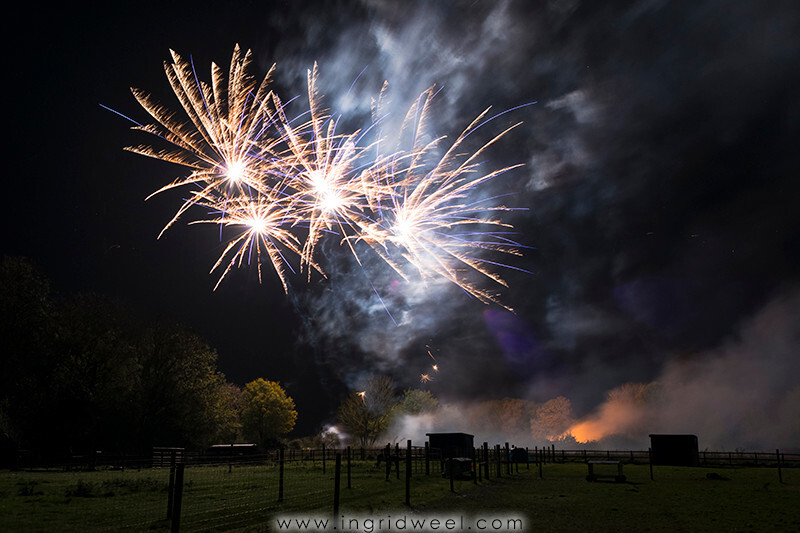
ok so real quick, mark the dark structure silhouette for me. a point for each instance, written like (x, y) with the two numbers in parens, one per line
(451, 444)
(674, 450)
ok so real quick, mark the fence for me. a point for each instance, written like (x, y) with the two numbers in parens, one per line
(177, 491)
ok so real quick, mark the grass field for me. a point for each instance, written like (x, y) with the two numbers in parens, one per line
(246, 498)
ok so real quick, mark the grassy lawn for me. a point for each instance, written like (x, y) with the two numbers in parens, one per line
(246, 497)
(678, 499)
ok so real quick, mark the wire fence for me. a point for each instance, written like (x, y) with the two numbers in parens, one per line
(176, 491)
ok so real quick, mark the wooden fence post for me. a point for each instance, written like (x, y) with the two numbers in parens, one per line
(171, 490)
(540, 460)
(280, 473)
(349, 458)
(499, 460)
(508, 460)
(450, 469)
(486, 459)
(387, 455)
(337, 482)
(408, 472)
(323, 457)
(178, 499)
(427, 459)
(397, 459)
(780, 474)
(650, 461)
(478, 465)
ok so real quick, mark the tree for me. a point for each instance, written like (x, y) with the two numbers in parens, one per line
(366, 415)
(267, 412)
(178, 388)
(227, 411)
(26, 312)
(417, 401)
(79, 373)
(552, 419)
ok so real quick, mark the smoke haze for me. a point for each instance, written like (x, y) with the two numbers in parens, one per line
(650, 243)
(657, 205)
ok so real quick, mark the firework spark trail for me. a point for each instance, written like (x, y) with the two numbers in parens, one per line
(330, 193)
(282, 186)
(427, 204)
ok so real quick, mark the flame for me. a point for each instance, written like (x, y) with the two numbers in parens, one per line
(586, 431)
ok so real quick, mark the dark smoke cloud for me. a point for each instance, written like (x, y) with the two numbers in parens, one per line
(658, 159)
(659, 191)
(743, 394)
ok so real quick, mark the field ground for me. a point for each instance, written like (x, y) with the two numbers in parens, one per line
(245, 498)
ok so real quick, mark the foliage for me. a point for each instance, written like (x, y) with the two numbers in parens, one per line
(267, 412)
(552, 419)
(366, 415)
(226, 412)
(417, 401)
(79, 373)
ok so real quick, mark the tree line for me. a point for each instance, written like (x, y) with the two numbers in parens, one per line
(80, 373)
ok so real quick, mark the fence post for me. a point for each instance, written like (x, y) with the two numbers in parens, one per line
(408, 472)
(541, 461)
(280, 473)
(780, 474)
(178, 499)
(499, 461)
(349, 458)
(337, 481)
(486, 459)
(450, 468)
(478, 465)
(650, 461)
(387, 453)
(171, 491)
(508, 460)
(427, 459)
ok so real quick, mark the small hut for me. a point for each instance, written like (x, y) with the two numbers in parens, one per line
(674, 450)
(447, 445)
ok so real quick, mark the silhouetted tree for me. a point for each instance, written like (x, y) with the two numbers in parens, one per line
(80, 373)
(179, 387)
(26, 336)
(366, 415)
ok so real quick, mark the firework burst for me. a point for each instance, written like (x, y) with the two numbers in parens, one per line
(279, 185)
(429, 218)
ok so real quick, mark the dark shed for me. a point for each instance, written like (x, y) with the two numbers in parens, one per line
(451, 444)
(674, 450)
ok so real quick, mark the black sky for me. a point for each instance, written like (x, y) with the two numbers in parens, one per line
(660, 182)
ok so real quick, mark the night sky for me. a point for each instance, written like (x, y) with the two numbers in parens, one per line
(657, 202)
